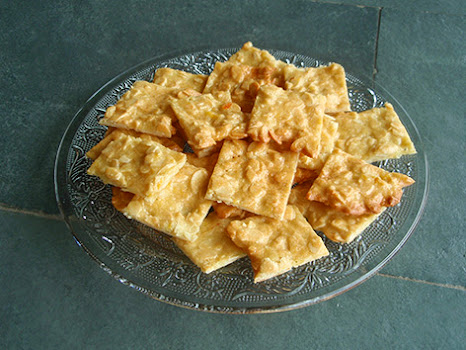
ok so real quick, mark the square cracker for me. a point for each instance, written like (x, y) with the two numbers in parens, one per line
(178, 79)
(144, 108)
(95, 151)
(137, 164)
(373, 135)
(208, 119)
(355, 187)
(329, 81)
(254, 177)
(244, 73)
(337, 226)
(276, 246)
(213, 248)
(178, 209)
(288, 117)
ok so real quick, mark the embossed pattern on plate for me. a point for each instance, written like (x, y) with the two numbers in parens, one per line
(147, 260)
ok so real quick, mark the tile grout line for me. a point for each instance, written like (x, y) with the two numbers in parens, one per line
(376, 48)
(39, 214)
(443, 285)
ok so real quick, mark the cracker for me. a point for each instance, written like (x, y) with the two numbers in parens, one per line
(337, 226)
(213, 248)
(373, 135)
(178, 79)
(208, 119)
(288, 117)
(137, 164)
(327, 144)
(355, 187)
(144, 108)
(179, 208)
(328, 81)
(95, 151)
(276, 246)
(244, 73)
(254, 177)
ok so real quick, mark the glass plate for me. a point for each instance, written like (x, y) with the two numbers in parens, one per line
(148, 261)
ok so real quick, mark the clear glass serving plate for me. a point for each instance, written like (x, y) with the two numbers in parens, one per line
(148, 261)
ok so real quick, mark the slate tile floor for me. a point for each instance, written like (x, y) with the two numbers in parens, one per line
(54, 55)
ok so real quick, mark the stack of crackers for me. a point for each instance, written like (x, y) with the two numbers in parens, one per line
(278, 154)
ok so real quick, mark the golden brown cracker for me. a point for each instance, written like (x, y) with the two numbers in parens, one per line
(212, 249)
(137, 164)
(276, 246)
(254, 177)
(336, 225)
(288, 117)
(355, 187)
(179, 208)
(144, 108)
(208, 119)
(178, 79)
(373, 135)
(329, 81)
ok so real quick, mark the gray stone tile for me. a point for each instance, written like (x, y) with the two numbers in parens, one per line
(54, 296)
(421, 62)
(55, 55)
(452, 7)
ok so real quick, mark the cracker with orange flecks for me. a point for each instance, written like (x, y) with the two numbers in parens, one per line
(179, 208)
(207, 119)
(355, 187)
(244, 73)
(372, 135)
(254, 177)
(336, 225)
(144, 108)
(137, 164)
(212, 249)
(95, 151)
(276, 246)
(178, 79)
(288, 117)
(328, 81)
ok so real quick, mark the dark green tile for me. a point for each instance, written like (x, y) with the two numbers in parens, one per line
(453, 7)
(56, 54)
(55, 297)
(426, 72)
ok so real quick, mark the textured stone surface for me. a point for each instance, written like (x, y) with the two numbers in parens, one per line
(452, 7)
(56, 55)
(54, 296)
(426, 72)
